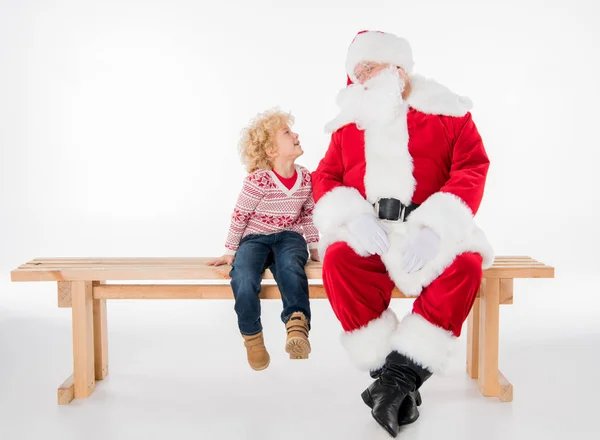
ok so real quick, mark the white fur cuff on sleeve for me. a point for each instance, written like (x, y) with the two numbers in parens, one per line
(338, 206)
(447, 215)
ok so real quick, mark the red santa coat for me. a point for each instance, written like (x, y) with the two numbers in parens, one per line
(433, 157)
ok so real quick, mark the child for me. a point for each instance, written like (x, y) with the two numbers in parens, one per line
(273, 212)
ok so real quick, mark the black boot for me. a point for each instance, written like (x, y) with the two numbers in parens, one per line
(409, 411)
(376, 373)
(386, 395)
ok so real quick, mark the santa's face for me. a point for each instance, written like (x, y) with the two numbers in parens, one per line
(367, 70)
(373, 102)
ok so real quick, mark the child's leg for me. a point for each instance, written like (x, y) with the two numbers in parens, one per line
(251, 260)
(290, 255)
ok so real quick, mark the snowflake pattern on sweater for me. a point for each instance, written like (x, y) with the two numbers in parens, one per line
(266, 206)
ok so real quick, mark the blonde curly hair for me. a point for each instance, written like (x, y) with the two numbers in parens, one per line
(258, 139)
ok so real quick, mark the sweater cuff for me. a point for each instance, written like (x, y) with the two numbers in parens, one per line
(229, 252)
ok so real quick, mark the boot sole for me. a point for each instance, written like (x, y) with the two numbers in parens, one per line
(297, 348)
(261, 367)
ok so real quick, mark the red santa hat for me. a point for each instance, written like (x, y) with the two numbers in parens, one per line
(379, 47)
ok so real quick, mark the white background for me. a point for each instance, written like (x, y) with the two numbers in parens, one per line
(119, 123)
(120, 119)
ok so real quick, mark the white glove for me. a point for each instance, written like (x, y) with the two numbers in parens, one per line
(423, 245)
(370, 233)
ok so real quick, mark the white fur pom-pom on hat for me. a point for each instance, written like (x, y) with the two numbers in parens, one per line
(380, 47)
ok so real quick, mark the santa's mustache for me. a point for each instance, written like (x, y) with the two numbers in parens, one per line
(376, 102)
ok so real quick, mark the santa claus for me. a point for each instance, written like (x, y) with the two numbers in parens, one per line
(396, 195)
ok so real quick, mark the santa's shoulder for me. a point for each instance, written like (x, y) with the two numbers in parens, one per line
(349, 129)
(430, 97)
(453, 125)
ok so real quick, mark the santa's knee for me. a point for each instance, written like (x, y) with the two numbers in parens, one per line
(337, 255)
(469, 265)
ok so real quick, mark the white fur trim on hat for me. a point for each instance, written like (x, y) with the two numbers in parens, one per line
(379, 47)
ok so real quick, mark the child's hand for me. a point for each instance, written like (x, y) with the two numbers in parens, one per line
(314, 254)
(225, 259)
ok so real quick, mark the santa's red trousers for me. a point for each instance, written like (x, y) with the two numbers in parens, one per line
(359, 289)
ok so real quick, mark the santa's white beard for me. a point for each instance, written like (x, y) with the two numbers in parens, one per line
(377, 102)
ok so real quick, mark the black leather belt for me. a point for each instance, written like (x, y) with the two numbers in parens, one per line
(393, 209)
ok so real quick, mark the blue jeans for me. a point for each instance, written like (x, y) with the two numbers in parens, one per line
(285, 254)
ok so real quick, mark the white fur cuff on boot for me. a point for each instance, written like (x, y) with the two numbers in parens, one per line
(425, 343)
(369, 345)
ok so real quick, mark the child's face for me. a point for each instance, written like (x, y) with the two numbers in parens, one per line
(288, 144)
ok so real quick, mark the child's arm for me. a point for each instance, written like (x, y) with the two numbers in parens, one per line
(311, 234)
(248, 199)
(251, 194)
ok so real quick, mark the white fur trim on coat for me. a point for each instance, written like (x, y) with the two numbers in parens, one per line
(368, 346)
(379, 47)
(389, 170)
(341, 234)
(426, 344)
(450, 217)
(338, 206)
(333, 211)
(431, 97)
(446, 214)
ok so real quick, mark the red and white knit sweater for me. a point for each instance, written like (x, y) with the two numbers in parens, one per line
(266, 206)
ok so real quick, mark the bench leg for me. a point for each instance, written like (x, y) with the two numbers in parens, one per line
(473, 341)
(491, 382)
(66, 392)
(64, 294)
(100, 337)
(83, 339)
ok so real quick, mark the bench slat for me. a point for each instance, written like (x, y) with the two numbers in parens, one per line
(145, 261)
(195, 268)
(204, 291)
(194, 261)
(176, 291)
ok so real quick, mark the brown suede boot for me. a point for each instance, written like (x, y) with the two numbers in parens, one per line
(297, 344)
(258, 357)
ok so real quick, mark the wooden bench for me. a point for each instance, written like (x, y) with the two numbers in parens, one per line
(82, 287)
